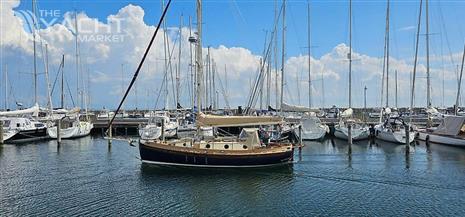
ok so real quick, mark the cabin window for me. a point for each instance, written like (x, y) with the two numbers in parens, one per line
(6, 123)
(226, 146)
(184, 144)
(207, 146)
(244, 146)
(18, 125)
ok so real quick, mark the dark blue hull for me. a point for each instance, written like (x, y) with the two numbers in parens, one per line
(162, 156)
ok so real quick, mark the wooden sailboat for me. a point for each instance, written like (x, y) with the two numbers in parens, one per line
(249, 149)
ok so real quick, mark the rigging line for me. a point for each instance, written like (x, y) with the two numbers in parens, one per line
(161, 89)
(140, 64)
(69, 92)
(56, 78)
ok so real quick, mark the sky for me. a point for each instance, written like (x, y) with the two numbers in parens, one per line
(114, 34)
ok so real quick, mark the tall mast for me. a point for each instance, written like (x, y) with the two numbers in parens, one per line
(416, 58)
(397, 105)
(283, 54)
(62, 81)
(166, 56)
(179, 62)
(309, 59)
(276, 52)
(428, 78)
(6, 87)
(192, 86)
(199, 55)
(77, 58)
(35, 52)
(350, 54)
(387, 55)
(49, 96)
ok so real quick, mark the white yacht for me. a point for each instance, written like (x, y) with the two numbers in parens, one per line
(312, 128)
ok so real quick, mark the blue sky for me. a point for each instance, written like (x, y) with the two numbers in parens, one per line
(243, 24)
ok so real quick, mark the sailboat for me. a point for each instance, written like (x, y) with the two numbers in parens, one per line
(359, 131)
(158, 123)
(451, 131)
(71, 124)
(393, 128)
(249, 149)
(18, 128)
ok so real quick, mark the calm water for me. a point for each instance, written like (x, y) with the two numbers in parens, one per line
(84, 177)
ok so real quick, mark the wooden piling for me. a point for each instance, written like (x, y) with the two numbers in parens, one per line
(300, 137)
(59, 132)
(407, 139)
(110, 135)
(1, 132)
(349, 134)
(163, 130)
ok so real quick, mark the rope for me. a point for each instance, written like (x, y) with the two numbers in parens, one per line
(140, 65)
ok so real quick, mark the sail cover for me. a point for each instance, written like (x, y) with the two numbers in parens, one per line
(294, 108)
(450, 126)
(33, 110)
(204, 120)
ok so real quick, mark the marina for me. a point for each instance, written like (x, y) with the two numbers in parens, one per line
(139, 110)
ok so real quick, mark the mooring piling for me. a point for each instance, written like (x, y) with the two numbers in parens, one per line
(349, 133)
(1, 132)
(59, 132)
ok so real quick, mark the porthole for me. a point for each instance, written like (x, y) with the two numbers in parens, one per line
(184, 144)
(207, 146)
(244, 146)
(226, 146)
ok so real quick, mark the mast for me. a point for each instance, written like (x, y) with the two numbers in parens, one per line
(350, 54)
(460, 83)
(387, 54)
(77, 57)
(165, 49)
(6, 87)
(283, 55)
(62, 81)
(309, 59)
(276, 52)
(49, 96)
(415, 60)
(35, 50)
(397, 105)
(179, 62)
(428, 78)
(191, 83)
(199, 55)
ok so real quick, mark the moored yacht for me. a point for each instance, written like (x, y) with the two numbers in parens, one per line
(246, 150)
(451, 132)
